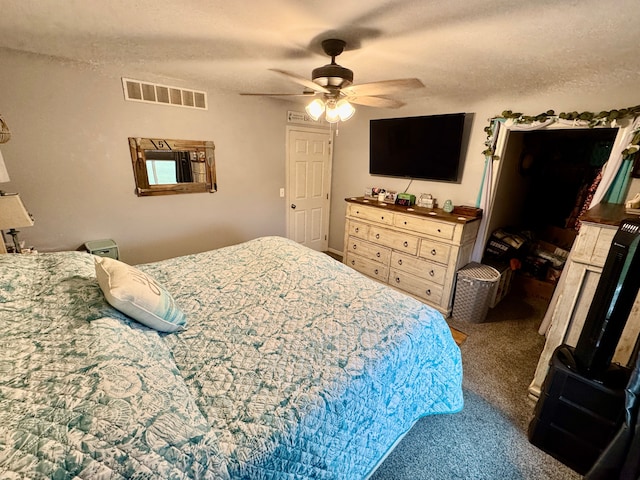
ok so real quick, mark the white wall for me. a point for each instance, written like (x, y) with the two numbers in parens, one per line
(69, 160)
(351, 159)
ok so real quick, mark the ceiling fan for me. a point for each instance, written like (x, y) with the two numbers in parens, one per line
(335, 83)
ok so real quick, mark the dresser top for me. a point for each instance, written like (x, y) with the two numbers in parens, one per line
(607, 214)
(433, 213)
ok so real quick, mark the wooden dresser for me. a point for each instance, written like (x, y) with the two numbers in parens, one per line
(414, 249)
(576, 289)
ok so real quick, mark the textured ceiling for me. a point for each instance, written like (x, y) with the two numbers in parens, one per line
(460, 49)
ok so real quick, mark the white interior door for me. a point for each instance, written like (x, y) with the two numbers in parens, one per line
(308, 182)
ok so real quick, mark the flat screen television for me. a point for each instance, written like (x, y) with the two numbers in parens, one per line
(425, 147)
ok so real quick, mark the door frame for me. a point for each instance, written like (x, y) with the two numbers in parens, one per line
(320, 130)
(498, 167)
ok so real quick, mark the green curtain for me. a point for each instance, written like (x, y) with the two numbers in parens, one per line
(483, 185)
(618, 190)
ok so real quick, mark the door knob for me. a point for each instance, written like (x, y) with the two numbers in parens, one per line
(293, 205)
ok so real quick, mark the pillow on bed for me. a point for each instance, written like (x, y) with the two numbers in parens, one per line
(138, 295)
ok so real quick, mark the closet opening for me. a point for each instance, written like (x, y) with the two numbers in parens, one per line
(546, 181)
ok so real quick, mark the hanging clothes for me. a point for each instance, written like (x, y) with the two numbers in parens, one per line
(589, 198)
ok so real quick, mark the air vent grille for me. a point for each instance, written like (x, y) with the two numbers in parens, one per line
(139, 91)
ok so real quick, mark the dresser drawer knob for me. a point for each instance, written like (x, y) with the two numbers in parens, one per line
(377, 236)
(399, 261)
(432, 273)
(357, 229)
(406, 244)
(355, 246)
(433, 252)
(378, 254)
(439, 231)
(397, 279)
(376, 271)
(428, 291)
(382, 217)
(353, 262)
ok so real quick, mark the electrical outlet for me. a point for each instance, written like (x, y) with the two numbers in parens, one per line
(282, 193)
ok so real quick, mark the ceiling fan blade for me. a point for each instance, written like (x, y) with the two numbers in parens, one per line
(383, 87)
(303, 94)
(376, 102)
(302, 81)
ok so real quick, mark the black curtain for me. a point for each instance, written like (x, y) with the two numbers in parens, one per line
(621, 459)
(183, 167)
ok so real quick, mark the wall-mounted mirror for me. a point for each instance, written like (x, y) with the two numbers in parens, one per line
(166, 167)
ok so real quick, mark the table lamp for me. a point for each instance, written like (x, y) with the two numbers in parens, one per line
(12, 212)
(13, 215)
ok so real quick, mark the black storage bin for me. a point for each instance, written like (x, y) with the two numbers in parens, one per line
(576, 417)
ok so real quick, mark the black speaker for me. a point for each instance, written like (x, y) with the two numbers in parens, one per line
(614, 297)
(576, 417)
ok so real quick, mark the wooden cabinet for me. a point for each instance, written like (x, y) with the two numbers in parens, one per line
(416, 250)
(576, 289)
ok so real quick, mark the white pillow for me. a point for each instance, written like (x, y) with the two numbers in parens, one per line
(138, 295)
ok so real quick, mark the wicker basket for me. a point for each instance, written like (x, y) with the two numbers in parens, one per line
(474, 291)
(5, 134)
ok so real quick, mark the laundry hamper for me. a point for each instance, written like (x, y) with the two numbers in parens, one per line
(475, 287)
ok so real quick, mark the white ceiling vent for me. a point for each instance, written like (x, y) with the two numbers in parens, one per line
(139, 91)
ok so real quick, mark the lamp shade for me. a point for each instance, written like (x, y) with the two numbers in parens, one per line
(345, 110)
(334, 110)
(4, 175)
(12, 212)
(315, 109)
(332, 114)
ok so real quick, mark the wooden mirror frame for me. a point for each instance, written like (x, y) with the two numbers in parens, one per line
(203, 149)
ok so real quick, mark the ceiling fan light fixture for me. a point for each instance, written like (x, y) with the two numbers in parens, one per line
(345, 110)
(315, 108)
(332, 113)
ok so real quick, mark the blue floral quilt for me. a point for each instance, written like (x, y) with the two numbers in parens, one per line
(293, 366)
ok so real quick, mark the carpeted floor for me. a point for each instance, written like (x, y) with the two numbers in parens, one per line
(488, 438)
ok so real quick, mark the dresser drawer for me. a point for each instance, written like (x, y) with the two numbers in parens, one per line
(369, 250)
(434, 272)
(368, 267)
(357, 229)
(425, 225)
(394, 239)
(438, 252)
(378, 215)
(416, 286)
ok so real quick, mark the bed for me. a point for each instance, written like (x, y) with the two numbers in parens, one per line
(289, 365)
